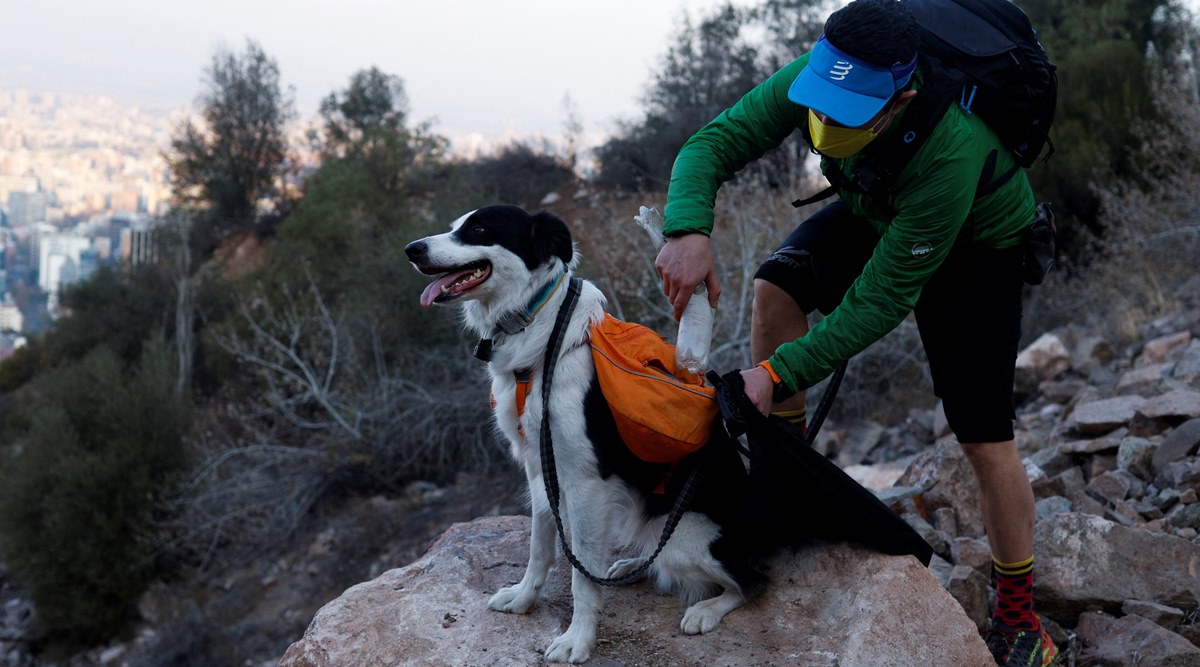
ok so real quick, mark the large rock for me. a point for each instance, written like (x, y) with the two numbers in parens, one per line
(1159, 350)
(1132, 640)
(1097, 417)
(1085, 561)
(1045, 358)
(944, 478)
(1183, 403)
(826, 606)
(1181, 442)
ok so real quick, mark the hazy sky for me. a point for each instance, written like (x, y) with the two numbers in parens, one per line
(474, 67)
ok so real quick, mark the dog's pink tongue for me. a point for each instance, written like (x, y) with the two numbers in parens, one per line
(434, 290)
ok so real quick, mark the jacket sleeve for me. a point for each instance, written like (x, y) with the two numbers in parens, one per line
(761, 120)
(937, 192)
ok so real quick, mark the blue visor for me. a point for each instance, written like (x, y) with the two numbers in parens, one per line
(847, 89)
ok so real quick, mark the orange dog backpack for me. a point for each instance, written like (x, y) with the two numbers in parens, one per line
(662, 413)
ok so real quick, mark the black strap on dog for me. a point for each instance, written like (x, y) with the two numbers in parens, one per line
(550, 474)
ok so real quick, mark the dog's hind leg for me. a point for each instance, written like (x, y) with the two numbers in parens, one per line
(704, 616)
(688, 565)
(520, 598)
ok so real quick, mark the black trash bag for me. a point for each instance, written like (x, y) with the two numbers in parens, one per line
(796, 496)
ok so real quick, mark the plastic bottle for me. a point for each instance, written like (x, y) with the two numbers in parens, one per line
(695, 333)
(694, 340)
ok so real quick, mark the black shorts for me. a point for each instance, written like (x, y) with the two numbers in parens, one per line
(969, 313)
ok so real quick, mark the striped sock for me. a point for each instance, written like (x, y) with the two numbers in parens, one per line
(1014, 593)
(797, 417)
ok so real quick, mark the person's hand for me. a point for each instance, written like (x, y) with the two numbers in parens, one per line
(684, 262)
(759, 388)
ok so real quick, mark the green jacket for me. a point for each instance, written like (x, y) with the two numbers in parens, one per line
(935, 202)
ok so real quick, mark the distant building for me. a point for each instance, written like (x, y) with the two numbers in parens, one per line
(11, 319)
(27, 208)
(125, 200)
(89, 261)
(137, 243)
(61, 262)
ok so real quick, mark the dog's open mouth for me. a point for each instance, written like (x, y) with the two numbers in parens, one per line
(456, 282)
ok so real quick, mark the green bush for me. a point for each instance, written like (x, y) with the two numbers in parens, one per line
(79, 489)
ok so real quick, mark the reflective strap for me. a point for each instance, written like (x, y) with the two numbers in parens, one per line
(524, 379)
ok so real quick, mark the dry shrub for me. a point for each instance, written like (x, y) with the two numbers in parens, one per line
(318, 411)
(1140, 269)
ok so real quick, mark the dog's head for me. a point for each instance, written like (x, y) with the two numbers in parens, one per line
(493, 253)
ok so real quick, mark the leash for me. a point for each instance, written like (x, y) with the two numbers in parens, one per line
(550, 474)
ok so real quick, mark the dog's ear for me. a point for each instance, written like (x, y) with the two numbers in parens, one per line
(551, 238)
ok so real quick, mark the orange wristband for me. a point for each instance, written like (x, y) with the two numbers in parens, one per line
(774, 376)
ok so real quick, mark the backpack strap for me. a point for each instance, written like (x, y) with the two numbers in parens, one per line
(988, 183)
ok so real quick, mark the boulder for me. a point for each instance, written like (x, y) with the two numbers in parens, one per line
(1161, 614)
(1132, 640)
(1102, 416)
(1187, 368)
(1136, 456)
(1180, 442)
(1050, 506)
(970, 588)
(1085, 561)
(1183, 403)
(1110, 486)
(1045, 358)
(1145, 375)
(945, 479)
(1179, 474)
(972, 552)
(1159, 350)
(832, 605)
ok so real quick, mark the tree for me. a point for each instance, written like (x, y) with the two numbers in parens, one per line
(521, 173)
(78, 494)
(1109, 54)
(370, 190)
(366, 125)
(236, 157)
(708, 67)
(115, 309)
(373, 107)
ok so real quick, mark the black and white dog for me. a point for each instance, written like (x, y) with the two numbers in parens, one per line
(509, 269)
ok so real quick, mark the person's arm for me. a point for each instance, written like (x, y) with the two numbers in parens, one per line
(759, 121)
(937, 191)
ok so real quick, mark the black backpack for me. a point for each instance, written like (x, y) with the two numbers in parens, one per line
(984, 56)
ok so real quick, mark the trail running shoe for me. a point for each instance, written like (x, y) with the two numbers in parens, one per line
(1020, 648)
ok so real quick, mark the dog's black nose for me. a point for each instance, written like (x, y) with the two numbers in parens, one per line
(416, 250)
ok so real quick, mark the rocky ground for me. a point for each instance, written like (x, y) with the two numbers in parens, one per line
(1110, 439)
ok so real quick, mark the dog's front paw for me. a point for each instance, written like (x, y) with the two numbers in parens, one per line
(513, 600)
(624, 567)
(572, 646)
